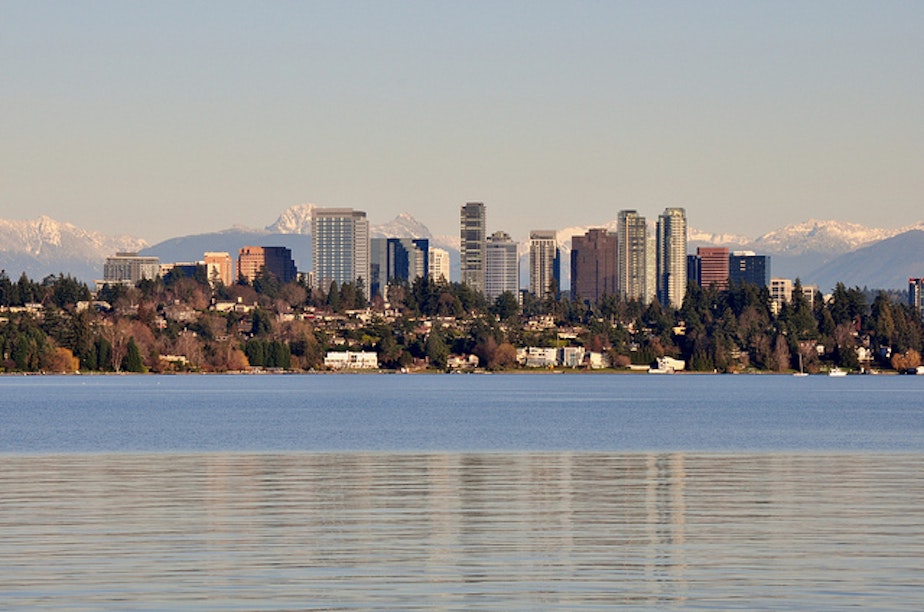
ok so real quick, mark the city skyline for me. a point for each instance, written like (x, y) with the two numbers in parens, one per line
(200, 116)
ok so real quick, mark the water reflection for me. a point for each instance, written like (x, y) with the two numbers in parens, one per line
(450, 531)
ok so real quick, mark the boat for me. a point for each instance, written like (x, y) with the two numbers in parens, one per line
(801, 372)
(836, 371)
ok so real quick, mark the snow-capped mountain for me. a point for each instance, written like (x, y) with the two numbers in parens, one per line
(402, 226)
(294, 220)
(829, 237)
(45, 246)
(701, 238)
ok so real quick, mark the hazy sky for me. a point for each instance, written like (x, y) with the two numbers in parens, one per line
(161, 118)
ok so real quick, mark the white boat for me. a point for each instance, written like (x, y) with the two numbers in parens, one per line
(835, 371)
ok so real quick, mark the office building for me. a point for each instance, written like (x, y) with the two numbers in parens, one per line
(474, 245)
(693, 270)
(631, 255)
(220, 268)
(593, 266)
(713, 267)
(397, 259)
(129, 268)
(916, 293)
(544, 263)
(672, 257)
(341, 247)
(502, 272)
(651, 270)
(439, 265)
(275, 260)
(781, 292)
(748, 267)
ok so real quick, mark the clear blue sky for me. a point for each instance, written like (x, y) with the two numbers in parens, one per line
(164, 118)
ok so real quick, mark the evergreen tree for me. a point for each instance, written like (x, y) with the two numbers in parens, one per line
(437, 351)
(133, 361)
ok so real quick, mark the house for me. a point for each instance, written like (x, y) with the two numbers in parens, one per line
(351, 360)
(572, 356)
(540, 357)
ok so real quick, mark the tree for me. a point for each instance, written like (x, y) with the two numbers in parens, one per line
(437, 351)
(506, 306)
(333, 297)
(62, 360)
(908, 360)
(133, 361)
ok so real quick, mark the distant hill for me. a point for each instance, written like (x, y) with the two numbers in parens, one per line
(887, 264)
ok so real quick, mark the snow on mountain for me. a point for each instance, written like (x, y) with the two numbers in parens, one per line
(45, 237)
(402, 226)
(832, 237)
(702, 238)
(44, 246)
(294, 220)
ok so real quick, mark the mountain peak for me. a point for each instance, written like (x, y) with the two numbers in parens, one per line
(294, 220)
(402, 226)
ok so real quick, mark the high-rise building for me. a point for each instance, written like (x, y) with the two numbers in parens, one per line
(439, 265)
(474, 245)
(398, 259)
(593, 265)
(916, 293)
(631, 255)
(502, 273)
(782, 291)
(651, 270)
(378, 266)
(275, 260)
(341, 247)
(693, 270)
(713, 267)
(544, 263)
(672, 257)
(748, 267)
(129, 268)
(220, 268)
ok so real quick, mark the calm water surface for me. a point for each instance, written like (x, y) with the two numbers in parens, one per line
(461, 492)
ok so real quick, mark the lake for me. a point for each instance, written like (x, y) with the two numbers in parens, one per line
(461, 492)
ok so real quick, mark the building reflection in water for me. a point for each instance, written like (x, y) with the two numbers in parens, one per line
(460, 530)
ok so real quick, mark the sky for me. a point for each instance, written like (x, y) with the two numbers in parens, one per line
(162, 119)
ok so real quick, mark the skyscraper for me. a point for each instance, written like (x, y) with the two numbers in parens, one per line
(341, 247)
(713, 267)
(672, 257)
(378, 266)
(748, 267)
(916, 293)
(631, 255)
(544, 263)
(439, 264)
(593, 265)
(398, 259)
(502, 270)
(473, 249)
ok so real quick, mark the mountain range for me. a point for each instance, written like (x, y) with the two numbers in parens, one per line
(820, 252)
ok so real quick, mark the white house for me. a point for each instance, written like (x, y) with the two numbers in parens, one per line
(351, 360)
(540, 357)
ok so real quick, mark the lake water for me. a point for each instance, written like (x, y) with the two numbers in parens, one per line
(461, 492)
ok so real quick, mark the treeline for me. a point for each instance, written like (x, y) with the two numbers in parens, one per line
(175, 324)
